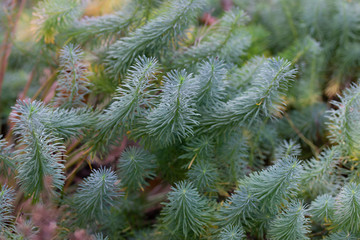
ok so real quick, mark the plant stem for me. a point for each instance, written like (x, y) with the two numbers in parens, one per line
(7, 44)
(314, 149)
(28, 83)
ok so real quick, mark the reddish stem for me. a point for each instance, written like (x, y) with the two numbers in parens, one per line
(7, 44)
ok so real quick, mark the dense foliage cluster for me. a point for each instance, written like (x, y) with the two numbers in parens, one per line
(180, 119)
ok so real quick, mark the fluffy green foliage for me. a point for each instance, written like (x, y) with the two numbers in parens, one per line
(197, 104)
(67, 123)
(105, 26)
(323, 208)
(204, 176)
(347, 205)
(7, 162)
(52, 16)
(291, 223)
(227, 41)
(231, 233)
(41, 153)
(187, 211)
(7, 197)
(200, 147)
(307, 90)
(239, 208)
(245, 75)
(211, 83)
(110, 25)
(261, 195)
(62, 122)
(320, 174)
(271, 186)
(133, 98)
(153, 36)
(41, 157)
(291, 22)
(136, 166)
(262, 99)
(175, 116)
(342, 236)
(96, 195)
(72, 83)
(346, 23)
(234, 152)
(268, 88)
(344, 121)
(287, 148)
(100, 236)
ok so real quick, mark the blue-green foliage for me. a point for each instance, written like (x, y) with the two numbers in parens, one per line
(290, 224)
(73, 84)
(287, 148)
(107, 27)
(344, 120)
(240, 208)
(227, 41)
(96, 195)
(7, 197)
(41, 153)
(262, 99)
(233, 157)
(275, 184)
(53, 16)
(211, 83)
(175, 116)
(41, 132)
(7, 162)
(231, 233)
(201, 147)
(100, 236)
(243, 76)
(320, 174)
(136, 166)
(152, 37)
(204, 176)
(133, 98)
(347, 208)
(343, 236)
(322, 209)
(216, 133)
(187, 212)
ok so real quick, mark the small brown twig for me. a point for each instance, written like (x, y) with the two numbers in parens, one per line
(45, 85)
(313, 147)
(192, 161)
(28, 83)
(71, 176)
